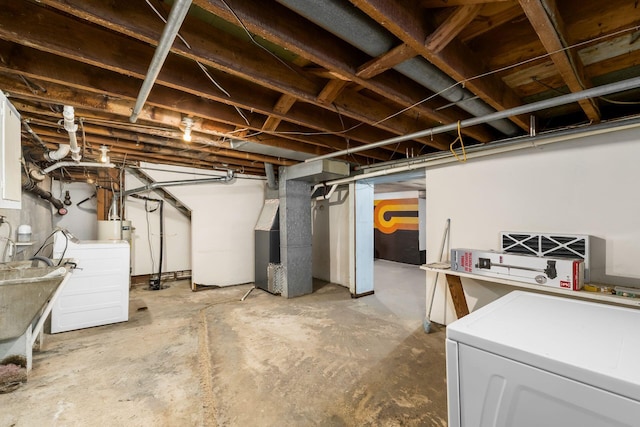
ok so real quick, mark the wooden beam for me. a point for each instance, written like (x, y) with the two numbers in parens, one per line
(120, 152)
(154, 111)
(331, 91)
(548, 24)
(332, 53)
(222, 52)
(118, 138)
(456, 59)
(387, 60)
(483, 24)
(282, 107)
(451, 27)
(457, 295)
(449, 3)
(24, 100)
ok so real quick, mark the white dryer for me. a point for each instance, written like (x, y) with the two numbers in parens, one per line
(529, 360)
(98, 291)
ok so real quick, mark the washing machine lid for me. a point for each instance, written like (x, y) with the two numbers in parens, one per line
(593, 343)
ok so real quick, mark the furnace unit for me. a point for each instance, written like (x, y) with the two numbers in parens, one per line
(268, 270)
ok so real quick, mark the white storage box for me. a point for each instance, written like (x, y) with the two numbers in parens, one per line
(553, 272)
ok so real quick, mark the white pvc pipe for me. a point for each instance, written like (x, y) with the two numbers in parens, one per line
(87, 164)
(59, 154)
(71, 127)
(326, 196)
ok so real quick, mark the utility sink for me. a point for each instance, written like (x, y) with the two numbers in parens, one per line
(24, 292)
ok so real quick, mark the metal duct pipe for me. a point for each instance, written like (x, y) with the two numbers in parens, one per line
(176, 17)
(224, 179)
(523, 109)
(71, 127)
(352, 25)
(271, 176)
(32, 187)
(86, 164)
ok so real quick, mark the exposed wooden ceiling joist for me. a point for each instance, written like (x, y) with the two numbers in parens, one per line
(455, 59)
(279, 81)
(219, 51)
(546, 21)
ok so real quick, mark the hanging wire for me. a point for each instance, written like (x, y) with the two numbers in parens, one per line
(202, 67)
(254, 41)
(464, 152)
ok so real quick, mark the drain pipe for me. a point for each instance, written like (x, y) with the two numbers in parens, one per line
(156, 284)
(39, 175)
(59, 154)
(176, 17)
(71, 127)
(85, 164)
(32, 187)
(327, 194)
(516, 111)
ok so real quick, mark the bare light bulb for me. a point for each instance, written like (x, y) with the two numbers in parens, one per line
(104, 158)
(187, 122)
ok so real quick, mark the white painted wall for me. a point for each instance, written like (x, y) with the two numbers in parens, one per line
(145, 238)
(35, 212)
(81, 220)
(585, 186)
(330, 228)
(222, 224)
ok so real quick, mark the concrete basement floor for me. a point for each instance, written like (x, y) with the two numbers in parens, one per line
(207, 359)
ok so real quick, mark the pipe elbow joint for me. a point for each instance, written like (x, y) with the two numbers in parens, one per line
(37, 175)
(59, 154)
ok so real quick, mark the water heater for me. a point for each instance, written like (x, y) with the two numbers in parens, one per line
(114, 230)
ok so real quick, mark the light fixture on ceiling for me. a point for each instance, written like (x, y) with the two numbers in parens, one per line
(104, 157)
(187, 123)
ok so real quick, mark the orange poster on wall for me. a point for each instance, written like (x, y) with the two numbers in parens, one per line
(395, 214)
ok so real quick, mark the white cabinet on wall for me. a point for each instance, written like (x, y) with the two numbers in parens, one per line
(10, 147)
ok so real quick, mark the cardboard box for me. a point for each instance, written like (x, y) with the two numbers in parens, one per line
(553, 272)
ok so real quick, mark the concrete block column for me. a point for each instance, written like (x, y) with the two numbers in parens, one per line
(295, 236)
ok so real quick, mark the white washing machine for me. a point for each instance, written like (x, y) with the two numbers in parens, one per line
(529, 360)
(98, 290)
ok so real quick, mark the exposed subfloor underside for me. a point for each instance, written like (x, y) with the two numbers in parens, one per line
(207, 358)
